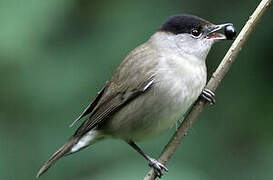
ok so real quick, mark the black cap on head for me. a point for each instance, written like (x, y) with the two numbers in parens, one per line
(183, 23)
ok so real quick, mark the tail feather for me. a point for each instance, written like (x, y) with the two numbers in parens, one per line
(64, 150)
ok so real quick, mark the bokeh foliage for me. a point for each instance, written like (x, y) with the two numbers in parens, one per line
(55, 56)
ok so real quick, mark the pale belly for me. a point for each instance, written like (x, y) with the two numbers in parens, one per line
(156, 110)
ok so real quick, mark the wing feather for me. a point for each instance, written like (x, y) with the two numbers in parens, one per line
(133, 77)
(91, 106)
(113, 103)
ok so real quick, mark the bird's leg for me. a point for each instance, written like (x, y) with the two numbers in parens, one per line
(158, 167)
(208, 95)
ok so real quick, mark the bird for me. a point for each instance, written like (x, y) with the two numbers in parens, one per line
(151, 89)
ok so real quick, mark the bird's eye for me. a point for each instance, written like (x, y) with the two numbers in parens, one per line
(195, 32)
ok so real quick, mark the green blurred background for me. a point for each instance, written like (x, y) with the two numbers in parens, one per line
(55, 56)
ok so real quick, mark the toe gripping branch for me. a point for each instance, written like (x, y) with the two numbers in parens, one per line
(157, 166)
(208, 96)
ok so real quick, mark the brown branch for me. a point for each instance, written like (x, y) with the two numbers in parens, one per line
(213, 83)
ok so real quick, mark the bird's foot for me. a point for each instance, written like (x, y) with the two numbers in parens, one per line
(208, 95)
(158, 167)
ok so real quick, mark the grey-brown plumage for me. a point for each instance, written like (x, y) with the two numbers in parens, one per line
(150, 90)
(121, 89)
(57, 155)
(111, 98)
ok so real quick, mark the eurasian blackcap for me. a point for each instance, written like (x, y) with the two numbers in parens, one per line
(151, 89)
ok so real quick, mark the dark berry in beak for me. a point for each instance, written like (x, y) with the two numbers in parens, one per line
(230, 32)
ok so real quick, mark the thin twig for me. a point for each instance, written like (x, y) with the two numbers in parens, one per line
(213, 83)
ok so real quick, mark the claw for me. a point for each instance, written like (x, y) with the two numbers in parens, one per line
(158, 167)
(208, 95)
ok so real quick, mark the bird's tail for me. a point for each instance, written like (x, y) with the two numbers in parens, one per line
(73, 145)
(64, 150)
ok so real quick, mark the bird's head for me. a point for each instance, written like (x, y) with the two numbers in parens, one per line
(193, 35)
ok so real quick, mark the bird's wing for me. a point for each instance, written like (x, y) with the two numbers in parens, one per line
(133, 77)
(111, 103)
(91, 106)
(101, 108)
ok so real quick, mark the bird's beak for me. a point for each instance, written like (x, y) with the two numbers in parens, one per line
(211, 32)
